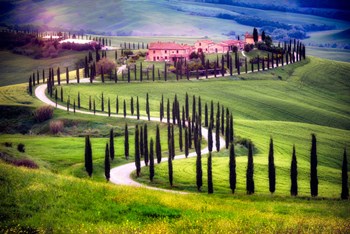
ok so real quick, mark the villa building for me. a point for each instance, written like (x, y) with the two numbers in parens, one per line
(249, 38)
(168, 51)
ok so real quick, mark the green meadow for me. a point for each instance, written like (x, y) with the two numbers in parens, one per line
(288, 103)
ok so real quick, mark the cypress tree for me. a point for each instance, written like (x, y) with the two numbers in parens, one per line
(231, 129)
(189, 134)
(313, 168)
(90, 104)
(126, 142)
(211, 113)
(344, 176)
(168, 112)
(142, 148)
(222, 65)
(94, 106)
(217, 132)
(183, 117)
(137, 152)
(206, 115)
(272, 169)
(227, 131)
(68, 103)
(124, 108)
(111, 144)
(187, 107)
(193, 109)
(132, 105)
(165, 72)
(223, 120)
(172, 142)
(74, 106)
(170, 165)
(145, 144)
(107, 163)
(180, 138)
(147, 107)
(61, 94)
(117, 105)
(210, 138)
(250, 171)
(137, 107)
(158, 146)
(151, 161)
(56, 97)
(294, 174)
(78, 99)
(210, 175)
(199, 173)
(88, 156)
(232, 166)
(30, 87)
(67, 75)
(141, 72)
(58, 76)
(109, 107)
(186, 142)
(153, 72)
(102, 103)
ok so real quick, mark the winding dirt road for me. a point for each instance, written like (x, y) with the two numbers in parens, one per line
(122, 174)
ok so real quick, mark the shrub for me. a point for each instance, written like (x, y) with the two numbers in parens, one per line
(25, 163)
(56, 126)
(108, 65)
(8, 144)
(21, 147)
(43, 113)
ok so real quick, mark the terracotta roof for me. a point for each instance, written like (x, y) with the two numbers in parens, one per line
(232, 42)
(206, 41)
(167, 46)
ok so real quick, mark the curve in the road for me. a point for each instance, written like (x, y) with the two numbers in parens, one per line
(122, 174)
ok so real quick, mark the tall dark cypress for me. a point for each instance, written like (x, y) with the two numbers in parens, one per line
(62, 94)
(158, 146)
(211, 113)
(90, 104)
(313, 168)
(272, 169)
(126, 141)
(145, 144)
(78, 100)
(223, 121)
(294, 174)
(147, 107)
(88, 156)
(217, 132)
(199, 173)
(58, 76)
(344, 176)
(250, 171)
(180, 138)
(109, 107)
(232, 167)
(124, 108)
(231, 129)
(137, 152)
(137, 107)
(186, 142)
(67, 75)
(142, 148)
(94, 106)
(151, 161)
(102, 103)
(132, 105)
(117, 105)
(206, 115)
(227, 130)
(193, 109)
(210, 175)
(111, 144)
(187, 107)
(168, 112)
(210, 138)
(107, 163)
(170, 165)
(172, 142)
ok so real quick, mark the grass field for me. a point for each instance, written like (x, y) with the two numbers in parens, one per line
(302, 101)
(287, 103)
(35, 200)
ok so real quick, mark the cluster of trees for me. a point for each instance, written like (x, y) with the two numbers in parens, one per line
(134, 46)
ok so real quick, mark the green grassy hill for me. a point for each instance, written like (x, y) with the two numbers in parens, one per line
(287, 103)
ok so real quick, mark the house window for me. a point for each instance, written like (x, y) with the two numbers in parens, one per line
(154, 58)
(166, 57)
(157, 57)
(154, 51)
(200, 44)
(177, 51)
(165, 51)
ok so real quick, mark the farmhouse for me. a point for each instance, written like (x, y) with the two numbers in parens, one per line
(249, 39)
(168, 51)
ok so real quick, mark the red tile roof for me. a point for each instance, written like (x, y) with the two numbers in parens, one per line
(167, 46)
